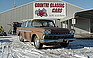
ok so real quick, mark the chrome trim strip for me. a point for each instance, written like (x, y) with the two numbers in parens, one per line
(29, 31)
(26, 30)
(55, 40)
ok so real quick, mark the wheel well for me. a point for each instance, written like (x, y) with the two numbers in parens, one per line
(32, 40)
(18, 34)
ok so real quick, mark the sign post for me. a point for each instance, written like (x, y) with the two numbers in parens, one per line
(73, 22)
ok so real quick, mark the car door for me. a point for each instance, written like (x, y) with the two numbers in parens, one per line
(28, 31)
(23, 29)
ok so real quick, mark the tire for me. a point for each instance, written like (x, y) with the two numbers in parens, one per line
(64, 44)
(37, 43)
(21, 38)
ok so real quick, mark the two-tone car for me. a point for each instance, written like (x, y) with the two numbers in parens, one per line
(44, 32)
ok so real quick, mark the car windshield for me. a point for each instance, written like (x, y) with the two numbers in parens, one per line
(43, 23)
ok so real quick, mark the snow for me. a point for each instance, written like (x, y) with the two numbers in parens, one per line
(11, 47)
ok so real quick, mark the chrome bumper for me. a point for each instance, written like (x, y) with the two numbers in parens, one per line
(56, 40)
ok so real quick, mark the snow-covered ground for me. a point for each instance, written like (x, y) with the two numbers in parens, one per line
(11, 47)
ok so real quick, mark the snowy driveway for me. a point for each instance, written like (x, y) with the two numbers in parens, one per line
(11, 47)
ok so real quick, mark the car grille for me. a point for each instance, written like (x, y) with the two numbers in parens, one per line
(58, 37)
(59, 32)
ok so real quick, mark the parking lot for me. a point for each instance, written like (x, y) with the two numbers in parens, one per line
(11, 47)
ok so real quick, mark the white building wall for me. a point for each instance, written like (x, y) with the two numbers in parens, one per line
(30, 11)
(72, 9)
(16, 15)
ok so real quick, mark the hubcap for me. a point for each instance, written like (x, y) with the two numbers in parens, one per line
(36, 42)
(20, 37)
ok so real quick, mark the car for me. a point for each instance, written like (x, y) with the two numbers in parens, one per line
(42, 13)
(44, 32)
(2, 32)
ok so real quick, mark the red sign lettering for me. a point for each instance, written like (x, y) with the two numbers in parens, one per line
(57, 10)
(57, 5)
(41, 4)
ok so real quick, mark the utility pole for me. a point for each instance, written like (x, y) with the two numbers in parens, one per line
(14, 4)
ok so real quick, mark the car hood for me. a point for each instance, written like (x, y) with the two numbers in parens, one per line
(56, 30)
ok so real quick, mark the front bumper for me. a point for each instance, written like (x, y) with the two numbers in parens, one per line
(57, 38)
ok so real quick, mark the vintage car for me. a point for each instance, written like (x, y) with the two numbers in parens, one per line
(41, 13)
(2, 32)
(44, 32)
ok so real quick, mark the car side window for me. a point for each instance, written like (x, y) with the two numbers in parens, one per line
(29, 24)
(24, 24)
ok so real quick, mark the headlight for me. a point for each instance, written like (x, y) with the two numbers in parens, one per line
(47, 32)
(72, 31)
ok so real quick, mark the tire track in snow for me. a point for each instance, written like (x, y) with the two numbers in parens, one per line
(21, 48)
(5, 47)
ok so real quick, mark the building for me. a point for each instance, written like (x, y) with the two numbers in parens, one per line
(85, 17)
(60, 11)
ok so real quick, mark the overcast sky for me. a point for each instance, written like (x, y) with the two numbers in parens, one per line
(8, 4)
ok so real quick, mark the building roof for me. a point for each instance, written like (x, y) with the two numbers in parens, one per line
(85, 14)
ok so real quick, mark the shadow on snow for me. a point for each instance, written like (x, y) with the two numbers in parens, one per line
(5, 39)
(77, 44)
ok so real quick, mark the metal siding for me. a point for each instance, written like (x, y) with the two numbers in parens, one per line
(71, 10)
(16, 15)
(2, 19)
(23, 12)
(30, 10)
(19, 14)
(12, 16)
(7, 19)
(26, 11)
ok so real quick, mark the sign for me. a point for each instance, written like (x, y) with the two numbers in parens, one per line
(49, 10)
(73, 21)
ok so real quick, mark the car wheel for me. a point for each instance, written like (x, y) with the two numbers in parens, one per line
(64, 44)
(21, 38)
(37, 43)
